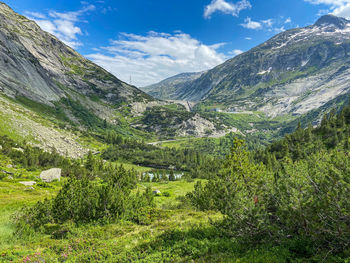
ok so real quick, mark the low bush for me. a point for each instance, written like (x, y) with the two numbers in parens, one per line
(307, 199)
(166, 194)
(84, 200)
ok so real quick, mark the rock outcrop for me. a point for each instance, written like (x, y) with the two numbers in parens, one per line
(38, 66)
(51, 175)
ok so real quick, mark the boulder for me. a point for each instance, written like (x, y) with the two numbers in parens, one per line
(6, 172)
(28, 183)
(18, 149)
(51, 175)
(156, 192)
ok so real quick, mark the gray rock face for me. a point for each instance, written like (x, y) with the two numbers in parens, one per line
(51, 175)
(35, 64)
(339, 22)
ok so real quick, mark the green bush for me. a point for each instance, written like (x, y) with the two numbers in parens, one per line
(44, 185)
(147, 215)
(307, 199)
(84, 200)
(166, 194)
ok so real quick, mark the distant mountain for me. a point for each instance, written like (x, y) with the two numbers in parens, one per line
(37, 65)
(171, 88)
(295, 72)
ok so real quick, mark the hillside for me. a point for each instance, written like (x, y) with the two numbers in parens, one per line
(37, 65)
(293, 206)
(295, 72)
(169, 88)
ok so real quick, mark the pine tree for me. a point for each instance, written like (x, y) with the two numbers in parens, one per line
(172, 176)
(90, 162)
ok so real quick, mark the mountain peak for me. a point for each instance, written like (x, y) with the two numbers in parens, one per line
(332, 20)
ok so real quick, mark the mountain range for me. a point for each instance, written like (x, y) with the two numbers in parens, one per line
(294, 72)
(41, 76)
(50, 94)
(170, 88)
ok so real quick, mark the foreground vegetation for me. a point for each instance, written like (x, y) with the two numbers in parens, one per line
(287, 203)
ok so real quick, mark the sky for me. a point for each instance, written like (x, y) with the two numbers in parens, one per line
(145, 41)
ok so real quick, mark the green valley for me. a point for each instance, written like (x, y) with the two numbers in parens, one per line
(246, 162)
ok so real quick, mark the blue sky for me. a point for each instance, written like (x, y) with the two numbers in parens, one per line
(149, 40)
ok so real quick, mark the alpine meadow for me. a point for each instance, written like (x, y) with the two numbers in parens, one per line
(175, 131)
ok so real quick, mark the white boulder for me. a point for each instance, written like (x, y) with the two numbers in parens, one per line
(51, 175)
(28, 183)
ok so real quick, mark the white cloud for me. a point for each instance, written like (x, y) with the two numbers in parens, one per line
(322, 12)
(226, 7)
(248, 38)
(337, 7)
(236, 52)
(268, 22)
(288, 20)
(343, 11)
(62, 25)
(35, 14)
(156, 56)
(278, 29)
(270, 25)
(250, 24)
(328, 2)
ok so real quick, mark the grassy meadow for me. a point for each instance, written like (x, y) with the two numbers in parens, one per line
(177, 233)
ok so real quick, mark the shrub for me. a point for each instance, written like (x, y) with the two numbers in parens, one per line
(307, 199)
(83, 200)
(166, 194)
(147, 215)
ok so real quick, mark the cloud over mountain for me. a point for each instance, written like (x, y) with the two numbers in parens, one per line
(156, 56)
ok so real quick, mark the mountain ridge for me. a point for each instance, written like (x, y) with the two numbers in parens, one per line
(42, 60)
(294, 72)
(172, 84)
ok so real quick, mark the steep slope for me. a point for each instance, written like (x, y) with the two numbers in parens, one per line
(37, 65)
(292, 73)
(20, 123)
(170, 88)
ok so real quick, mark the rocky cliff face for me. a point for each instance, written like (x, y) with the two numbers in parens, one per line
(292, 73)
(37, 65)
